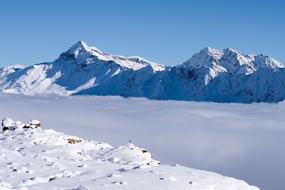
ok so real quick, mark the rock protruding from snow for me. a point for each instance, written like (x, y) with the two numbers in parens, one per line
(33, 124)
(130, 154)
(46, 159)
(9, 124)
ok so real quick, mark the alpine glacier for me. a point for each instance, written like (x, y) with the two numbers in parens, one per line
(210, 75)
(33, 158)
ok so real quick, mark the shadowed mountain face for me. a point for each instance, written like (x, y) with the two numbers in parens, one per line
(210, 75)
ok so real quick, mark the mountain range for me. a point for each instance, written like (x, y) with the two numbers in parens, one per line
(210, 75)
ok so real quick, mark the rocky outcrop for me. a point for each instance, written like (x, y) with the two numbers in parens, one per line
(9, 124)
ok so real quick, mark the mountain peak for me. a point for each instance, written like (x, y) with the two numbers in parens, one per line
(80, 53)
(208, 48)
(78, 46)
(231, 51)
(211, 51)
(82, 43)
(231, 60)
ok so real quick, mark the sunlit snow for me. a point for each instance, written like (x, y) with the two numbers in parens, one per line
(32, 158)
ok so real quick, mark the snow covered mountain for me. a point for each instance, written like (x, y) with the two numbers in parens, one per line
(81, 67)
(46, 159)
(210, 75)
(225, 76)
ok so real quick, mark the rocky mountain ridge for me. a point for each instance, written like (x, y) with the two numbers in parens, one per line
(210, 75)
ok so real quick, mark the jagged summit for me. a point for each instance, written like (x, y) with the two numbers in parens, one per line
(81, 53)
(232, 60)
(210, 75)
(219, 53)
(80, 45)
(210, 51)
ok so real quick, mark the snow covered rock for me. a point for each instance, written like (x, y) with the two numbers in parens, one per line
(45, 159)
(210, 75)
(130, 154)
(33, 124)
(9, 124)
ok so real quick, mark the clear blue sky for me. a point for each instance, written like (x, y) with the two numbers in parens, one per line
(164, 31)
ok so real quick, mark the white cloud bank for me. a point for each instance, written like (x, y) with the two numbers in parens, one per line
(242, 141)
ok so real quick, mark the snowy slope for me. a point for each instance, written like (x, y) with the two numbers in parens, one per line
(46, 159)
(80, 67)
(210, 75)
(230, 76)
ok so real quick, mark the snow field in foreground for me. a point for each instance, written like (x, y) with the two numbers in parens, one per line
(46, 159)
